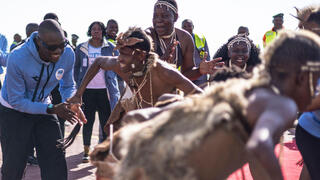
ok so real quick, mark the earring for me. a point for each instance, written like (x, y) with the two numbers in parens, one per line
(133, 66)
(312, 93)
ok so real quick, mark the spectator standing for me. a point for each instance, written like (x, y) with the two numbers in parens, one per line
(243, 30)
(112, 31)
(201, 48)
(269, 36)
(3, 48)
(102, 93)
(16, 40)
(74, 41)
(111, 36)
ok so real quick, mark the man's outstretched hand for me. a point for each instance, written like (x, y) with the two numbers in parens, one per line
(74, 104)
(210, 67)
(70, 112)
(76, 108)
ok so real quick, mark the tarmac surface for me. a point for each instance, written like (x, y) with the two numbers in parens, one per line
(76, 169)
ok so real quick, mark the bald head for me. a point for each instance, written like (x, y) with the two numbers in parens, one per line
(30, 28)
(50, 26)
(187, 25)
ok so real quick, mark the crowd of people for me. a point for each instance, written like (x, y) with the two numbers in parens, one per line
(167, 109)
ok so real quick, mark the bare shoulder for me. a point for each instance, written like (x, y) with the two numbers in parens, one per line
(262, 99)
(183, 35)
(266, 97)
(165, 68)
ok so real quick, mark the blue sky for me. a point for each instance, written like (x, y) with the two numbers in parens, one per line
(217, 20)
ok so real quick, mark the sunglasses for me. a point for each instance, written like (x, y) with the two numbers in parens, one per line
(54, 47)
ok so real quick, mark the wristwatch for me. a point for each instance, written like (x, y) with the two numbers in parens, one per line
(50, 109)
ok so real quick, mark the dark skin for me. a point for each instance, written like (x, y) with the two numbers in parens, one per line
(239, 54)
(51, 34)
(266, 118)
(163, 24)
(112, 30)
(315, 105)
(74, 41)
(164, 77)
(96, 36)
(314, 27)
(278, 22)
(243, 30)
(188, 26)
(264, 115)
(17, 38)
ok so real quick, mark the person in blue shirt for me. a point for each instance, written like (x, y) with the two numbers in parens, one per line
(3, 58)
(33, 70)
(3, 43)
(3, 48)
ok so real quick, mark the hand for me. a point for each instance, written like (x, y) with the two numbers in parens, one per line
(76, 108)
(168, 56)
(76, 99)
(210, 67)
(63, 110)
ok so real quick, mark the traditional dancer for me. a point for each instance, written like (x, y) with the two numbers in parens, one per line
(211, 135)
(175, 45)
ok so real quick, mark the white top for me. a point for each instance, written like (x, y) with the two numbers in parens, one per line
(98, 82)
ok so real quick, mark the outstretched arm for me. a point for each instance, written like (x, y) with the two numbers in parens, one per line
(275, 117)
(176, 79)
(189, 68)
(103, 62)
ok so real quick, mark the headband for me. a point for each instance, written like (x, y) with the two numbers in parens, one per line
(239, 39)
(165, 3)
(311, 66)
(123, 41)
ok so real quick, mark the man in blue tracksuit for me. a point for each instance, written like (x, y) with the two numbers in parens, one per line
(33, 70)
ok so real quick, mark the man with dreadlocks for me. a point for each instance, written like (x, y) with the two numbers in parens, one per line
(147, 77)
(175, 45)
(209, 136)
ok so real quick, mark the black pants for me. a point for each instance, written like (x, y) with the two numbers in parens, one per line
(17, 129)
(309, 147)
(95, 100)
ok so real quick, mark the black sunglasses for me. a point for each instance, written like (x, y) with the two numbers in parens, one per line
(54, 47)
